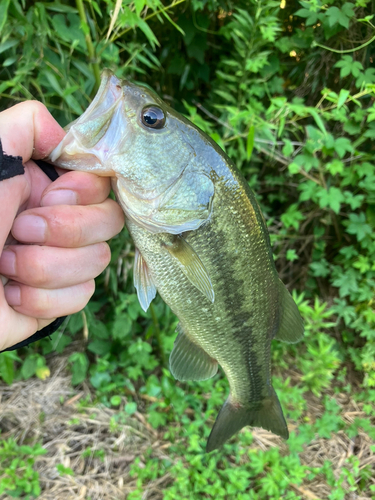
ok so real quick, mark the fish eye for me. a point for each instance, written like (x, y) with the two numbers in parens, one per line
(153, 117)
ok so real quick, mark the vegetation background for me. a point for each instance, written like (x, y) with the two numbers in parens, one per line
(287, 90)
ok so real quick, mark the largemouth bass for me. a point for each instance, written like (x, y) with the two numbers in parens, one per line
(201, 242)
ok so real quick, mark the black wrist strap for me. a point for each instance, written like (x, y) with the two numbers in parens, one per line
(10, 166)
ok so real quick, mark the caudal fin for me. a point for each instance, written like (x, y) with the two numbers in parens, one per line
(233, 416)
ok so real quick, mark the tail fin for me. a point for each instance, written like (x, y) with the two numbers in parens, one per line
(233, 416)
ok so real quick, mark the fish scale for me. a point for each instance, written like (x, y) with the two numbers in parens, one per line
(201, 242)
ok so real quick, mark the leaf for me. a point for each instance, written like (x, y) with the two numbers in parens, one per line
(311, 17)
(8, 44)
(130, 408)
(4, 5)
(115, 400)
(29, 366)
(80, 364)
(347, 283)
(139, 5)
(62, 470)
(342, 17)
(335, 167)
(292, 217)
(358, 226)
(291, 255)
(59, 7)
(342, 98)
(368, 77)
(7, 367)
(43, 372)
(121, 327)
(287, 148)
(53, 82)
(250, 141)
(178, 28)
(343, 145)
(100, 347)
(148, 32)
(317, 119)
(349, 66)
(331, 198)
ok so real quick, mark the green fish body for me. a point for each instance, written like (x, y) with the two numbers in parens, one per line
(201, 242)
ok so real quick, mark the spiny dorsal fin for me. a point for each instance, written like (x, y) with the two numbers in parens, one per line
(188, 361)
(191, 265)
(146, 290)
(291, 323)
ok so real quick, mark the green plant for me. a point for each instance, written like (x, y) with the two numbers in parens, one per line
(18, 475)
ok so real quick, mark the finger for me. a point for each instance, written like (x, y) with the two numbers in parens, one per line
(51, 267)
(76, 188)
(69, 226)
(45, 304)
(13, 193)
(29, 130)
(16, 327)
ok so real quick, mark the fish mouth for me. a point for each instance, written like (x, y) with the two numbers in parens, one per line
(92, 137)
(107, 98)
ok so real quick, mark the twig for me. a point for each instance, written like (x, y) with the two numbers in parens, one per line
(347, 51)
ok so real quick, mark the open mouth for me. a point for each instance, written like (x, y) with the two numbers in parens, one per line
(96, 133)
(107, 97)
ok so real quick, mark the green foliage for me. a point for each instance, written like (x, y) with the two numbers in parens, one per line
(286, 90)
(19, 479)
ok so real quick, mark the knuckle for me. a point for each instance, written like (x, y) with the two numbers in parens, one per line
(104, 254)
(35, 106)
(74, 228)
(43, 303)
(88, 290)
(35, 269)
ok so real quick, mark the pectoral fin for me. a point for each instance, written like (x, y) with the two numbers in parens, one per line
(191, 265)
(143, 282)
(188, 361)
(291, 323)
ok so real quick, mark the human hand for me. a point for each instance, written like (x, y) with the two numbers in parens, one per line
(52, 234)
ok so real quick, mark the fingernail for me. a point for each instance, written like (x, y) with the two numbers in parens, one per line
(59, 197)
(29, 229)
(13, 295)
(8, 263)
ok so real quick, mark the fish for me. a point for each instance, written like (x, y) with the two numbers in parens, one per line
(200, 240)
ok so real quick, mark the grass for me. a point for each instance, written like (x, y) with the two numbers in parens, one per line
(95, 452)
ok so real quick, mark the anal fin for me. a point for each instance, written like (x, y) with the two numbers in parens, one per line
(146, 290)
(291, 323)
(191, 265)
(188, 361)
